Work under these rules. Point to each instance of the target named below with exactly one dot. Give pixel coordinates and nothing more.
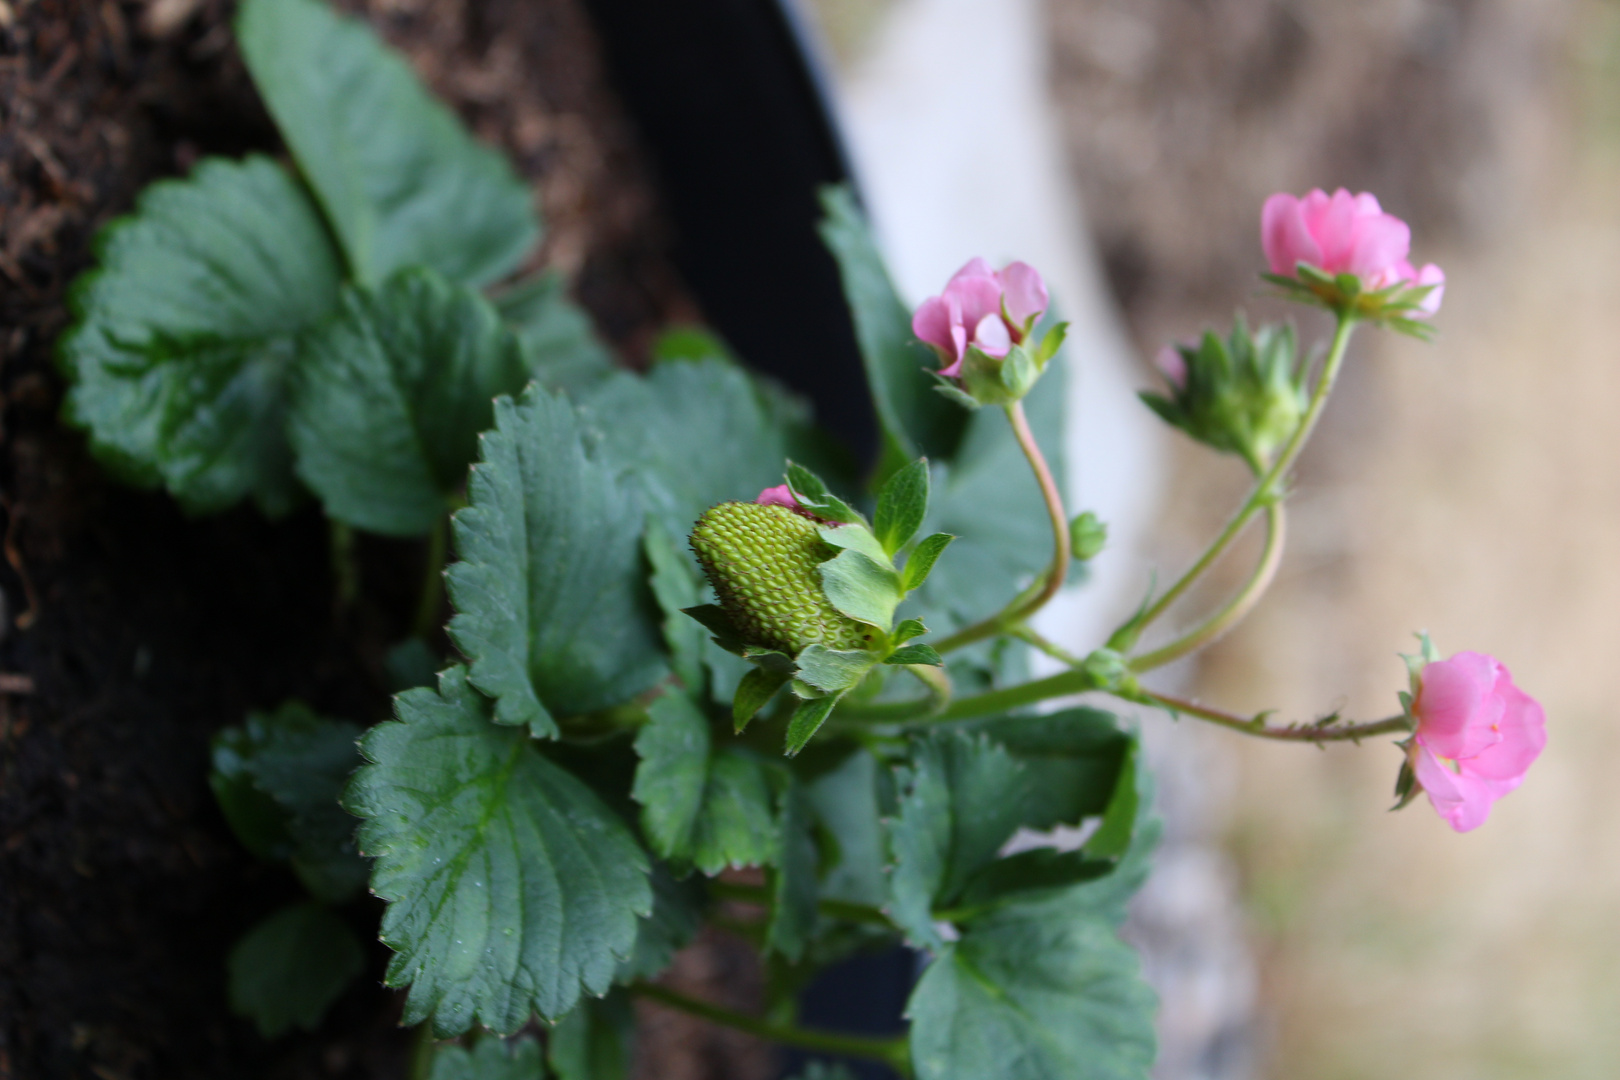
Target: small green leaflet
(915, 420)
(901, 506)
(182, 338)
(511, 888)
(704, 805)
(289, 969)
(922, 559)
(553, 607)
(919, 653)
(560, 346)
(960, 800)
(278, 778)
(861, 588)
(754, 690)
(489, 1059)
(1036, 992)
(690, 435)
(833, 670)
(807, 720)
(400, 179)
(389, 398)
(594, 1042)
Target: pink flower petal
(1456, 708)
(1464, 801)
(1524, 735)
(932, 325)
(978, 297)
(991, 336)
(1431, 275)
(1377, 242)
(1023, 294)
(975, 267)
(1172, 365)
(1284, 237)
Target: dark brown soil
(130, 634)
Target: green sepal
(920, 563)
(908, 629)
(814, 496)
(769, 659)
(918, 653)
(1050, 344)
(953, 393)
(855, 537)
(754, 691)
(861, 588)
(1407, 787)
(718, 623)
(833, 670)
(998, 381)
(807, 720)
(901, 507)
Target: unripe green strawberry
(762, 563)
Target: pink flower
(1344, 234)
(1477, 734)
(990, 310)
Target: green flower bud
(763, 563)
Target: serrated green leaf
(594, 1042)
(990, 501)
(183, 335)
(793, 879)
(1028, 875)
(287, 970)
(701, 804)
(915, 421)
(813, 495)
(961, 798)
(560, 346)
(807, 720)
(692, 435)
(861, 588)
(1072, 762)
(1038, 992)
(832, 670)
(278, 778)
(388, 400)
(908, 629)
(552, 604)
(675, 587)
(489, 1059)
(901, 507)
(677, 915)
(401, 180)
(915, 654)
(922, 559)
(511, 888)
(849, 802)
(754, 690)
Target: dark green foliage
(389, 398)
(184, 335)
(594, 1042)
(289, 969)
(553, 608)
(401, 181)
(489, 1059)
(512, 889)
(279, 778)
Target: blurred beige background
(1470, 488)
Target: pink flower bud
(1172, 365)
(1477, 735)
(987, 309)
(780, 495)
(1343, 234)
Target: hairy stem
(1236, 608)
(1266, 492)
(892, 1052)
(1322, 732)
(1052, 579)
